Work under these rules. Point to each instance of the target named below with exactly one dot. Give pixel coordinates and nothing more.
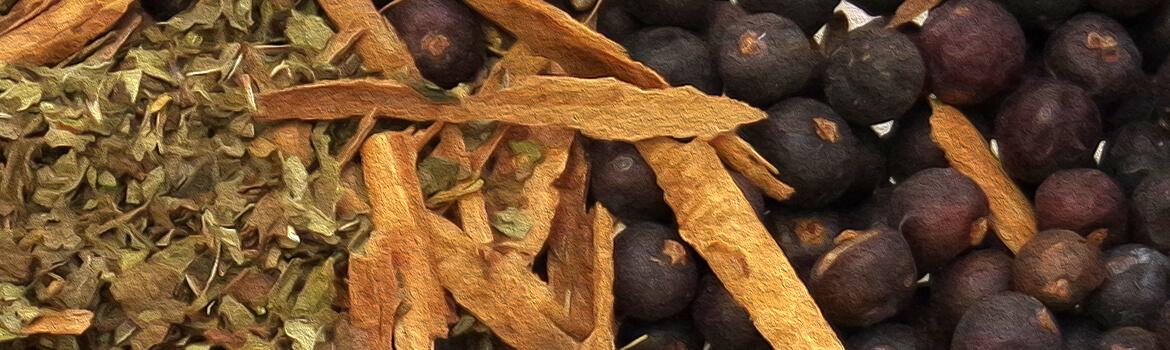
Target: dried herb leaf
(153, 63)
(715, 218)
(438, 173)
(599, 108)
(61, 138)
(512, 223)
(236, 316)
(318, 291)
(308, 31)
(970, 154)
(60, 178)
(21, 96)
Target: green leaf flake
(439, 174)
(6, 335)
(22, 96)
(106, 179)
(318, 292)
(10, 126)
(236, 316)
(295, 177)
(305, 333)
(153, 63)
(132, 80)
(60, 138)
(205, 12)
(308, 31)
(147, 140)
(228, 236)
(154, 182)
(510, 222)
(255, 343)
(15, 311)
(133, 193)
(60, 178)
(300, 202)
(476, 132)
(238, 13)
(527, 148)
(528, 155)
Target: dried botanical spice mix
(584, 174)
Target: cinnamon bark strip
(541, 197)
(911, 9)
(715, 218)
(601, 280)
(67, 322)
(573, 249)
(373, 294)
(739, 155)
(551, 33)
(517, 63)
(600, 108)
(499, 289)
(1011, 213)
(23, 11)
(59, 30)
(380, 48)
(388, 161)
(472, 211)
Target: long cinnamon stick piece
(60, 30)
(599, 108)
(967, 151)
(379, 47)
(739, 155)
(388, 161)
(499, 289)
(550, 32)
(715, 218)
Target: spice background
(298, 174)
